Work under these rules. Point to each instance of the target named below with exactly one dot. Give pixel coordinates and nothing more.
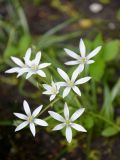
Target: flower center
(30, 119)
(34, 67)
(54, 90)
(70, 83)
(67, 122)
(83, 59)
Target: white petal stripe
(41, 73)
(68, 134)
(78, 127)
(37, 58)
(17, 61)
(74, 75)
(29, 75)
(66, 111)
(82, 48)
(26, 108)
(76, 90)
(94, 52)
(80, 68)
(52, 97)
(47, 87)
(37, 111)
(77, 114)
(21, 126)
(59, 127)
(13, 70)
(90, 61)
(40, 122)
(82, 80)
(71, 53)
(72, 62)
(66, 91)
(27, 56)
(21, 116)
(63, 74)
(43, 65)
(56, 116)
(32, 128)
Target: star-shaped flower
(68, 122)
(71, 83)
(30, 119)
(51, 90)
(30, 66)
(82, 59)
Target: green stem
(48, 106)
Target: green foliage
(111, 50)
(110, 131)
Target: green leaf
(116, 90)
(107, 109)
(110, 131)
(97, 70)
(24, 44)
(111, 50)
(88, 122)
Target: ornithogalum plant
(34, 67)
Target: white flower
(95, 7)
(30, 66)
(68, 122)
(71, 83)
(30, 119)
(52, 90)
(82, 59)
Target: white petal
(82, 48)
(43, 65)
(13, 70)
(82, 80)
(80, 68)
(90, 61)
(52, 97)
(21, 126)
(59, 127)
(40, 122)
(71, 53)
(74, 75)
(41, 73)
(94, 52)
(66, 111)
(47, 87)
(63, 74)
(61, 84)
(56, 116)
(71, 62)
(37, 58)
(27, 56)
(17, 61)
(68, 134)
(66, 91)
(26, 108)
(78, 127)
(22, 71)
(47, 92)
(21, 116)
(32, 128)
(76, 90)
(37, 111)
(29, 75)
(77, 114)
